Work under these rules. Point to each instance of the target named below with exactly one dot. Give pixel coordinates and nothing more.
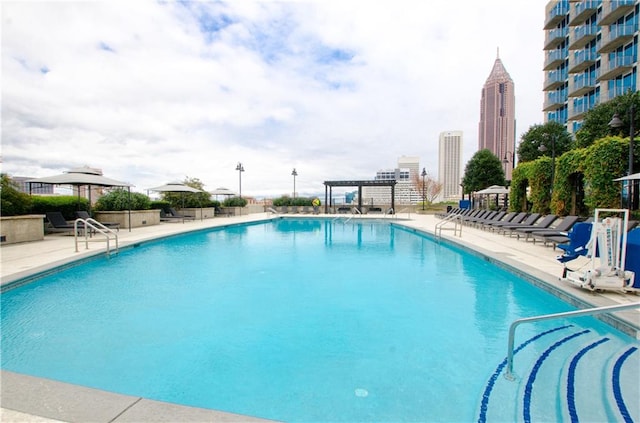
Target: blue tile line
(526, 413)
(482, 418)
(615, 380)
(571, 378)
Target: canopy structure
(634, 177)
(494, 189)
(328, 186)
(82, 176)
(497, 190)
(222, 191)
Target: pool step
(566, 374)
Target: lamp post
(616, 122)
(423, 174)
(240, 169)
(543, 148)
(294, 174)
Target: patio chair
(167, 217)
(578, 238)
(58, 223)
(82, 214)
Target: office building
(22, 185)
(498, 116)
(450, 164)
(590, 56)
(405, 174)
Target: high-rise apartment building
(450, 164)
(591, 56)
(497, 126)
(405, 191)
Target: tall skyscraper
(450, 164)
(591, 56)
(498, 116)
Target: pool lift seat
(607, 249)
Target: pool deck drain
(30, 399)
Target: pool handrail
(589, 311)
(89, 224)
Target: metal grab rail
(92, 224)
(590, 311)
(457, 229)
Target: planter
(139, 218)
(21, 228)
(198, 213)
(232, 211)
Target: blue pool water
(295, 320)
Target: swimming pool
(296, 320)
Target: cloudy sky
(156, 91)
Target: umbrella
(82, 176)
(176, 187)
(634, 177)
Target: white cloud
(152, 92)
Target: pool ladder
(91, 226)
(456, 219)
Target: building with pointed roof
(497, 127)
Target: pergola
(328, 186)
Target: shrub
(160, 205)
(120, 200)
(12, 201)
(234, 202)
(65, 204)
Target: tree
(432, 188)
(595, 124)
(483, 170)
(189, 199)
(537, 135)
(12, 201)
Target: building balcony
(612, 10)
(581, 60)
(582, 11)
(554, 58)
(554, 38)
(613, 92)
(554, 80)
(582, 35)
(555, 15)
(577, 111)
(616, 36)
(581, 85)
(611, 68)
(554, 100)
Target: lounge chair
(546, 235)
(168, 217)
(84, 215)
(58, 223)
(495, 216)
(174, 213)
(530, 220)
(506, 218)
(519, 230)
(518, 218)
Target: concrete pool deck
(29, 399)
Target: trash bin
(449, 208)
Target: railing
(91, 225)
(272, 210)
(591, 311)
(457, 229)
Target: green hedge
(289, 201)
(234, 202)
(12, 201)
(66, 204)
(120, 200)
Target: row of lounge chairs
(549, 229)
(57, 222)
